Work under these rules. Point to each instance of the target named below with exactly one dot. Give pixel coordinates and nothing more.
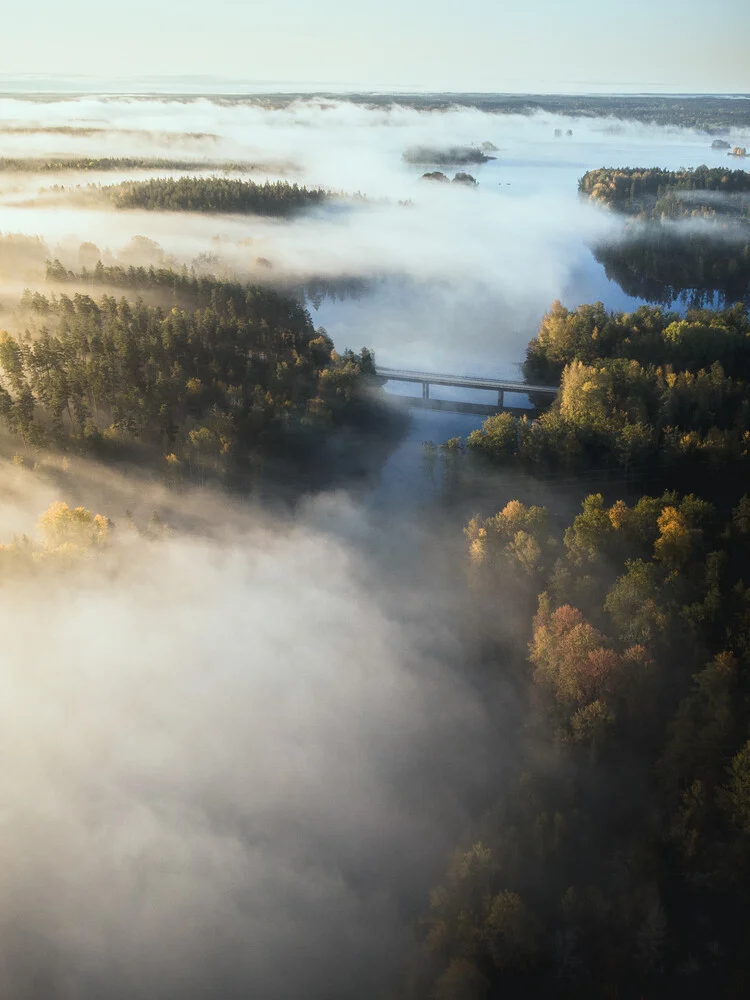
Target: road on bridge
(498, 385)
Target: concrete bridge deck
(498, 385)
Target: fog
(243, 739)
(464, 274)
(236, 753)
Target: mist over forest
(316, 685)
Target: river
(459, 277)
(472, 326)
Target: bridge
(498, 385)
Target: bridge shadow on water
(458, 405)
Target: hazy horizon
(209, 85)
(540, 47)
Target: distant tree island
(451, 156)
(441, 178)
(215, 194)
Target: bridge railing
(501, 386)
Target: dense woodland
(188, 286)
(451, 156)
(691, 234)
(215, 194)
(649, 392)
(181, 284)
(657, 194)
(615, 859)
(231, 372)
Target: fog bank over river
(463, 274)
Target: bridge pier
(494, 385)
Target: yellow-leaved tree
(71, 530)
(518, 536)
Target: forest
(650, 393)
(613, 858)
(615, 861)
(214, 194)
(489, 740)
(660, 257)
(189, 286)
(657, 194)
(451, 156)
(701, 268)
(230, 372)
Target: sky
(537, 46)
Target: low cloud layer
(232, 759)
(483, 263)
(237, 754)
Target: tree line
(214, 194)
(188, 283)
(648, 392)
(231, 371)
(712, 113)
(38, 164)
(615, 859)
(656, 194)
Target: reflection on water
(408, 476)
(480, 322)
(464, 274)
(435, 277)
(431, 482)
